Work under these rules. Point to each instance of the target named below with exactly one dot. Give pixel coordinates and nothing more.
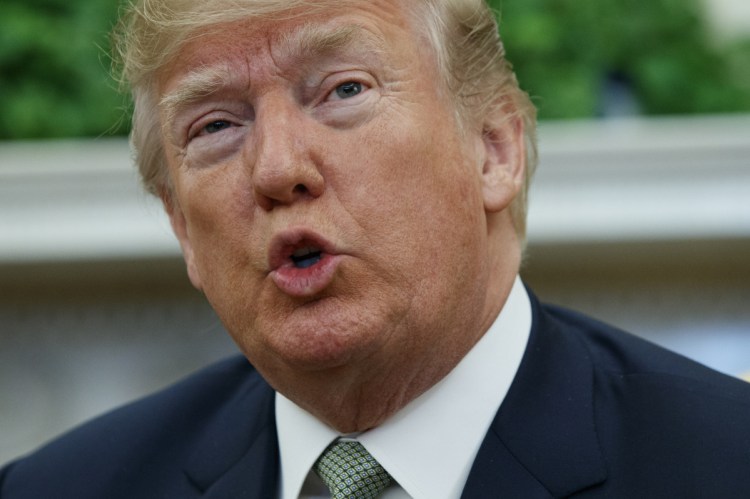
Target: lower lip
(306, 282)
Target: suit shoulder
(194, 397)
(669, 424)
(664, 401)
(159, 429)
(622, 354)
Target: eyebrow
(315, 40)
(198, 84)
(308, 42)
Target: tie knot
(350, 472)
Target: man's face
(325, 200)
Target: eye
(348, 89)
(216, 126)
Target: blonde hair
(463, 33)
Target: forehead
(296, 34)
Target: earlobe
(504, 163)
(180, 229)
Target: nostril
(269, 200)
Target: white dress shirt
(429, 446)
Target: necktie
(350, 472)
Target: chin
(328, 333)
(311, 346)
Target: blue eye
(348, 89)
(216, 126)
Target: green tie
(351, 472)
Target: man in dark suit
(347, 180)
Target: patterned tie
(351, 472)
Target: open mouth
(302, 263)
(306, 257)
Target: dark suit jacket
(593, 412)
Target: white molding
(598, 181)
(655, 180)
(728, 19)
(76, 201)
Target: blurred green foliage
(565, 51)
(54, 67)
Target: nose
(284, 169)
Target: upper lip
(285, 243)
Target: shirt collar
(428, 447)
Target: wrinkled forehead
(300, 30)
(204, 69)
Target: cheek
(215, 198)
(218, 212)
(419, 173)
(408, 187)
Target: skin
(415, 212)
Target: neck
(356, 399)
(362, 395)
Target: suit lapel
(254, 476)
(498, 473)
(543, 441)
(238, 456)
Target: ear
(179, 226)
(504, 165)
